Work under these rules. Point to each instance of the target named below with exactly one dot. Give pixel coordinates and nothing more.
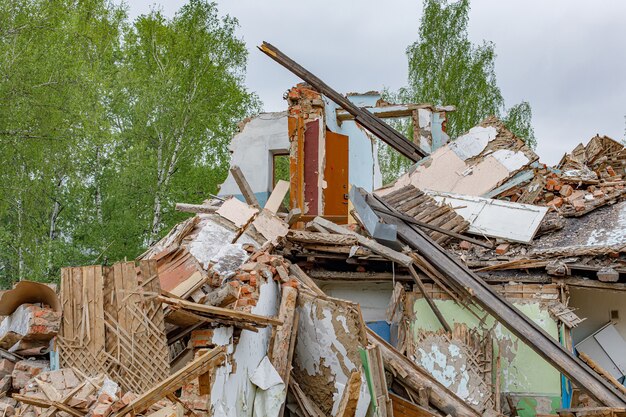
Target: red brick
(598, 194)
(502, 248)
(610, 171)
(579, 204)
(6, 367)
(25, 370)
(465, 245)
(557, 202)
(577, 194)
(201, 338)
(291, 283)
(566, 190)
(246, 301)
(101, 410)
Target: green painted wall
(523, 371)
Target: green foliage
(519, 121)
(445, 68)
(105, 123)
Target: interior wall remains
(595, 306)
(253, 150)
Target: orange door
(336, 176)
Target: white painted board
(495, 218)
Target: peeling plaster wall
(523, 372)
(363, 153)
(252, 151)
(232, 393)
(327, 351)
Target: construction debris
(480, 283)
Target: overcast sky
(566, 57)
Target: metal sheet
(495, 218)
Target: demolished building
(481, 282)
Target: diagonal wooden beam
(366, 119)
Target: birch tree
(446, 68)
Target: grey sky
(566, 57)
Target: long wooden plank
(376, 247)
(520, 325)
(201, 365)
(244, 186)
(372, 123)
(219, 312)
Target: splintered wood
(110, 326)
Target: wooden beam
(321, 238)
(196, 208)
(519, 324)
(600, 370)
(199, 366)
(455, 235)
(371, 244)
(244, 187)
(429, 300)
(219, 312)
(415, 378)
(370, 122)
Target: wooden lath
(110, 325)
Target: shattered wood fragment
(43, 403)
(244, 187)
(600, 370)
(350, 396)
(404, 408)
(372, 361)
(284, 333)
(376, 247)
(308, 407)
(321, 238)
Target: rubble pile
(454, 291)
